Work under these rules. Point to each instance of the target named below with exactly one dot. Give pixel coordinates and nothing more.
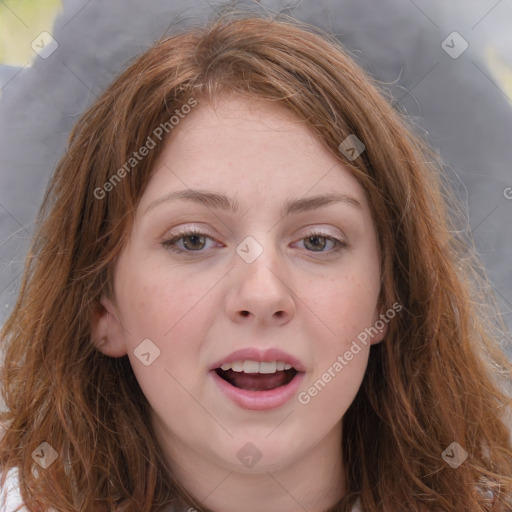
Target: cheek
(346, 305)
(174, 308)
(168, 307)
(161, 300)
(346, 309)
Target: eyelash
(168, 244)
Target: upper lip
(265, 355)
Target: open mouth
(257, 381)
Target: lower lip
(259, 400)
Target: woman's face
(288, 275)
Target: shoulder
(10, 499)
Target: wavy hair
(440, 375)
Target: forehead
(250, 148)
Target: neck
(312, 481)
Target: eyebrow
(218, 201)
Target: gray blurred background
(447, 64)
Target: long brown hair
(440, 376)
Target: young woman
(249, 292)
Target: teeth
(267, 367)
(238, 366)
(250, 366)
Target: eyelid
(205, 231)
(324, 232)
(188, 228)
(200, 230)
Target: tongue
(257, 381)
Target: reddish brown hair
(438, 377)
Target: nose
(261, 291)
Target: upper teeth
(256, 367)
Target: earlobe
(380, 335)
(107, 333)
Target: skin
(197, 310)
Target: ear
(380, 325)
(107, 332)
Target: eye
(193, 242)
(317, 242)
